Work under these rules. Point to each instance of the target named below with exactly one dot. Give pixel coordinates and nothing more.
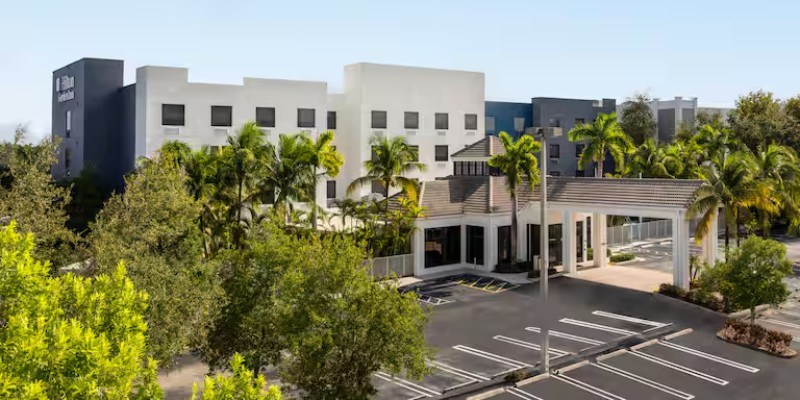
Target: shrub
(620, 257)
(756, 336)
(671, 290)
(515, 376)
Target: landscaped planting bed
(757, 337)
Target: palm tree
(603, 136)
(729, 185)
(290, 176)
(654, 161)
(322, 157)
(518, 162)
(393, 160)
(778, 179)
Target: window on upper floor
(68, 121)
(579, 121)
(306, 118)
(442, 154)
(490, 124)
(265, 117)
(471, 122)
(173, 114)
(555, 123)
(411, 120)
(519, 124)
(442, 121)
(555, 151)
(415, 151)
(67, 159)
(579, 149)
(331, 119)
(221, 116)
(377, 187)
(331, 189)
(378, 119)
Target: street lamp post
(544, 259)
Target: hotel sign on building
(65, 88)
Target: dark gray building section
(127, 158)
(566, 113)
(90, 91)
(666, 125)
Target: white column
(584, 239)
(463, 256)
(711, 242)
(680, 250)
(522, 238)
(490, 245)
(418, 248)
(568, 242)
(599, 240)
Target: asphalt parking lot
(481, 336)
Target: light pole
(544, 247)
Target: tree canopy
(637, 119)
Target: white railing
(627, 234)
(400, 265)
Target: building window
(215, 149)
(411, 120)
(555, 173)
(579, 149)
(68, 117)
(378, 119)
(504, 245)
(579, 121)
(67, 159)
(331, 119)
(377, 187)
(580, 173)
(265, 117)
(490, 124)
(221, 116)
(475, 245)
(555, 151)
(442, 246)
(306, 118)
(441, 153)
(442, 121)
(519, 124)
(173, 114)
(555, 123)
(331, 189)
(471, 121)
(414, 152)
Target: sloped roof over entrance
(485, 147)
(488, 194)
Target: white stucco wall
(397, 89)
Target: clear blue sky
(715, 50)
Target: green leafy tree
(637, 119)
(30, 196)
(152, 227)
(240, 385)
(69, 337)
(394, 160)
(778, 183)
(342, 326)
(753, 275)
(325, 163)
(518, 162)
(758, 120)
(602, 137)
(687, 130)
(655, 161)
(291, 176)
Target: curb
(734, 315)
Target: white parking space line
(568, 336)
(434, 301)
(647, 246)
(698, 353)
(522, 394)
(782, 323)
(653, 384)
(491, 356)
(587, 387)
(459, 372)
(680, 368)
(626, 318)
(388, 379)
(529, 345)
(409, 385)
(597, 326)
(666, 242)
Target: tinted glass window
(172, 114)
(265, 117)
(221, 115)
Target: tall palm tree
(290, 176)
(394, 159)
(325, 162)
(517, 163)
(601, 137)
(729, 185)
(778, 179)
(654, 161)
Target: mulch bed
(758, 338)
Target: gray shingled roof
(485, 147)
(470, 194)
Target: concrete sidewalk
(645, 280)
